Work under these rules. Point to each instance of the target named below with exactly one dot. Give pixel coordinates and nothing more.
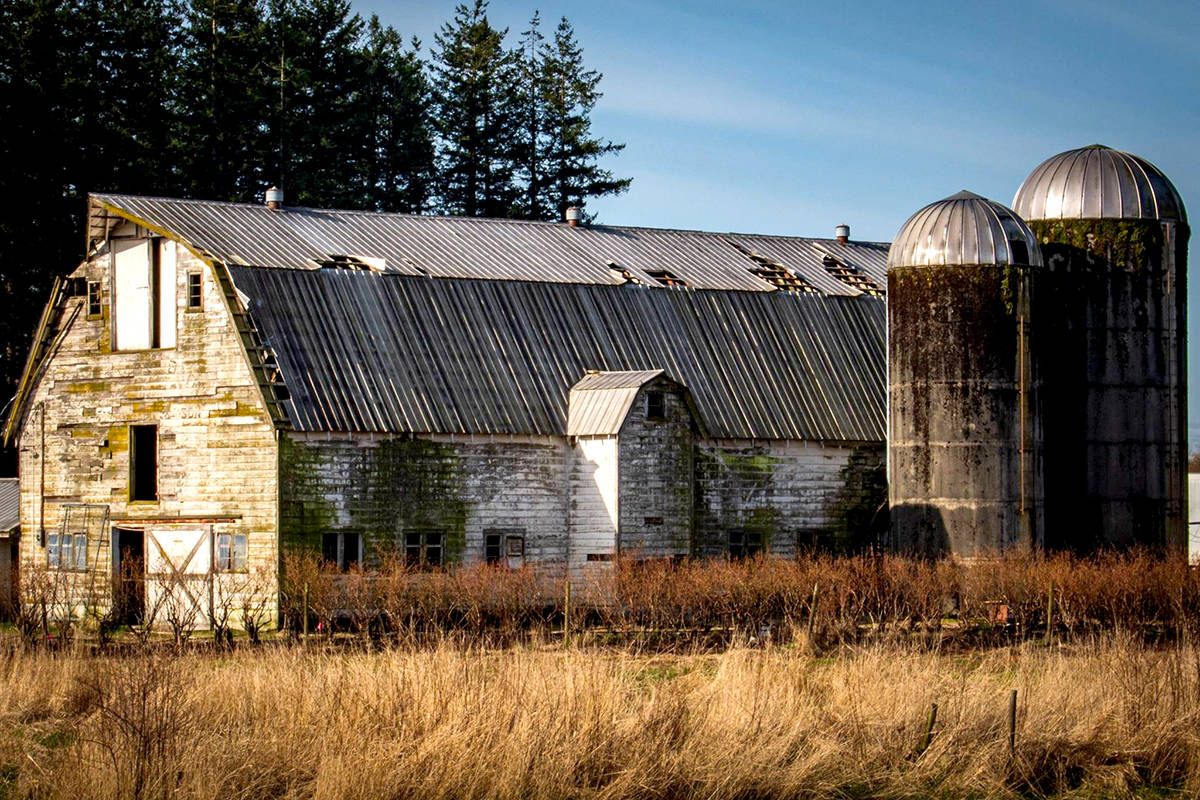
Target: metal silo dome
(964, 229)
(1097, 182)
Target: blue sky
(790, 118)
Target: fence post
(1012, 723)
(304, 613)
(927, 739)
(1050, 615)
(812, 613)
(567, 613)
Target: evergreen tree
(475, 99)
(133, 66)
(314, 125)
(571, 171)
(222, 145)
(531, 137)
(40, 210)
(396, 150)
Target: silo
(1111, 312)
(964, 441)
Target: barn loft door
(179, 577)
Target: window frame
(236, 556)
(508, 544)
(94, 300)
(739, 546)
(417, 554)
(340, 560)
(658, 414)
(72, 546)
(197, 277)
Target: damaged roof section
(493, 249)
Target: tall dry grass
(1104, 719)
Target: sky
(792, 117)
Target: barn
(218, 384)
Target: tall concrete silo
(964, 441)
(1110, 306)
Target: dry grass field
(1104, 717)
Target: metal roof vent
(274, 198)
(842, 233)
(574, 215)
(964, 229)
(1097, 182)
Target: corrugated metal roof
(493, 249)
(1097, 182)
(364, 351)
(599, 402)
(964, 229)
(10, 505)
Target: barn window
(143, 294)
(143, 463)
(231, 552)
(195, 299)
(93, 299)
(504, 546)
(424, 549)
(342, 550)
(744, 544)
(66, 551)
(656, 406)
(492, 548)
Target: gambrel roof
(392, 323)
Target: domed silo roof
(1097, 182)
(964, 229)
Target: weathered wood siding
(793, 493)
(461, 486)
(217, 448)
(656, 475)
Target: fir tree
(569, 92)
(531, 137)
(475, 99)
(313, 123)
(222, 146)
(396, 148)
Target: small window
(514, 546)
(343, 550)
(744, 544)
(231, 552)
(656, 406)
(143, 463)
(504, 546)
(67, 551)
(195, 298)
(492, 552)
(423, 549)
(93, 299)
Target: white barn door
(178, 577)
